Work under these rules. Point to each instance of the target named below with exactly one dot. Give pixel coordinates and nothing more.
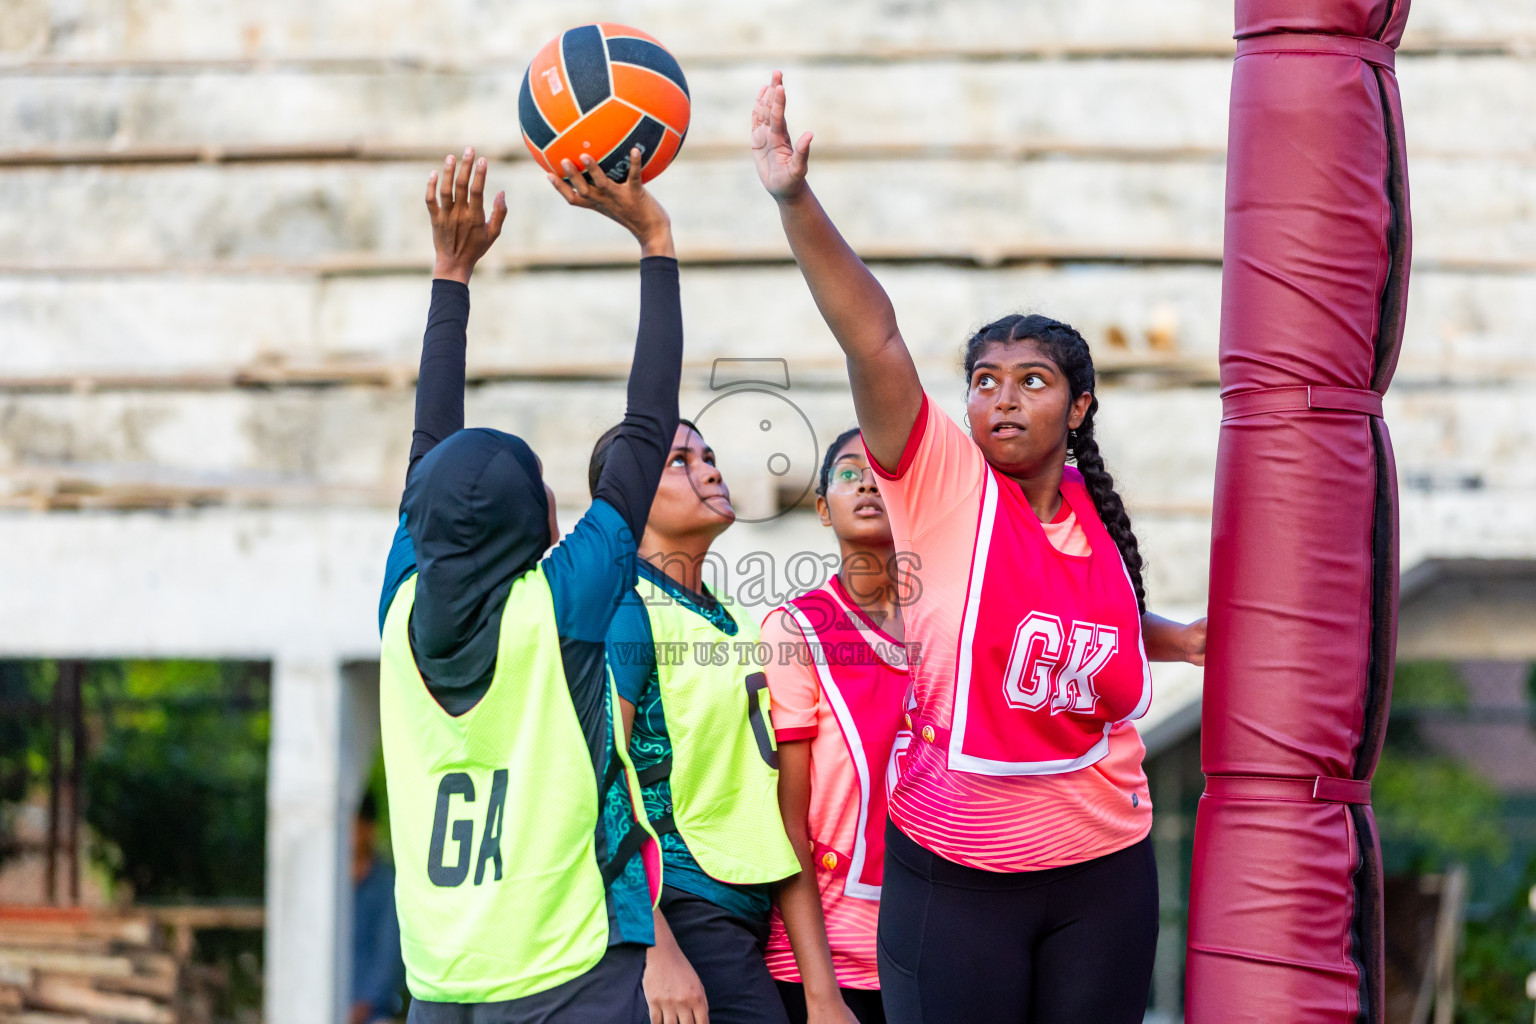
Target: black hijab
(478, 516)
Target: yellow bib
(493, 816)
(725, 775)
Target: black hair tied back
(1069, 350)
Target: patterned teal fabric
(632, 657)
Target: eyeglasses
(849, 478)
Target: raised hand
(456, 204)
(626, 202)
(781, 164)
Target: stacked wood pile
(81, 967)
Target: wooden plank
(160, 987)
(67, 963)
(348, 445)
(240, 582)
(72, 995)
(199, 917)
(30, 930)
(183, 29)
(1119, 106)
(209, 332)
(1135, 104)
(251, 216)
(279, 213)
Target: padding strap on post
(1324, 788)
(1298, 399)
(1371, 51)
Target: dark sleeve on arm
(631, 649)
(439, 411)
(440, 386)
(398, 568)
(640, 451)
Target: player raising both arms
(1019, 880)
(497, 713)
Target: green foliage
(1438, 808)
(25, 690)
(1428, 684)
(376, 786)
(176, 780)
(1498, 953)
(1432, 810)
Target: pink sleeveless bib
(1050, 653)
(866, 694)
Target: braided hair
(825, 479)
(1068, 349)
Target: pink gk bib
(1050, 652)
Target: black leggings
(726, 952)
(863, 1002)
(610, 993)
(1060, 946)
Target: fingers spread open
(776, 122)
(445, 186)
(432, 194)
(498, 215)
(577, 180)
(461, 179)
(564, 188)
(477, 189)
(601, 184)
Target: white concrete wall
(213, 271)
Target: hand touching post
(456, 204)
(628, 203)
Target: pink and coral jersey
(839, 681)
(1031, 667)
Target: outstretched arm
(461, 234)
(887, 395)
(640, 451)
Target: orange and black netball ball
(601, 90)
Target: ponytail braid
(1069, 350)
(1101, 488)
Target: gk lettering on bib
(1050, 648)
